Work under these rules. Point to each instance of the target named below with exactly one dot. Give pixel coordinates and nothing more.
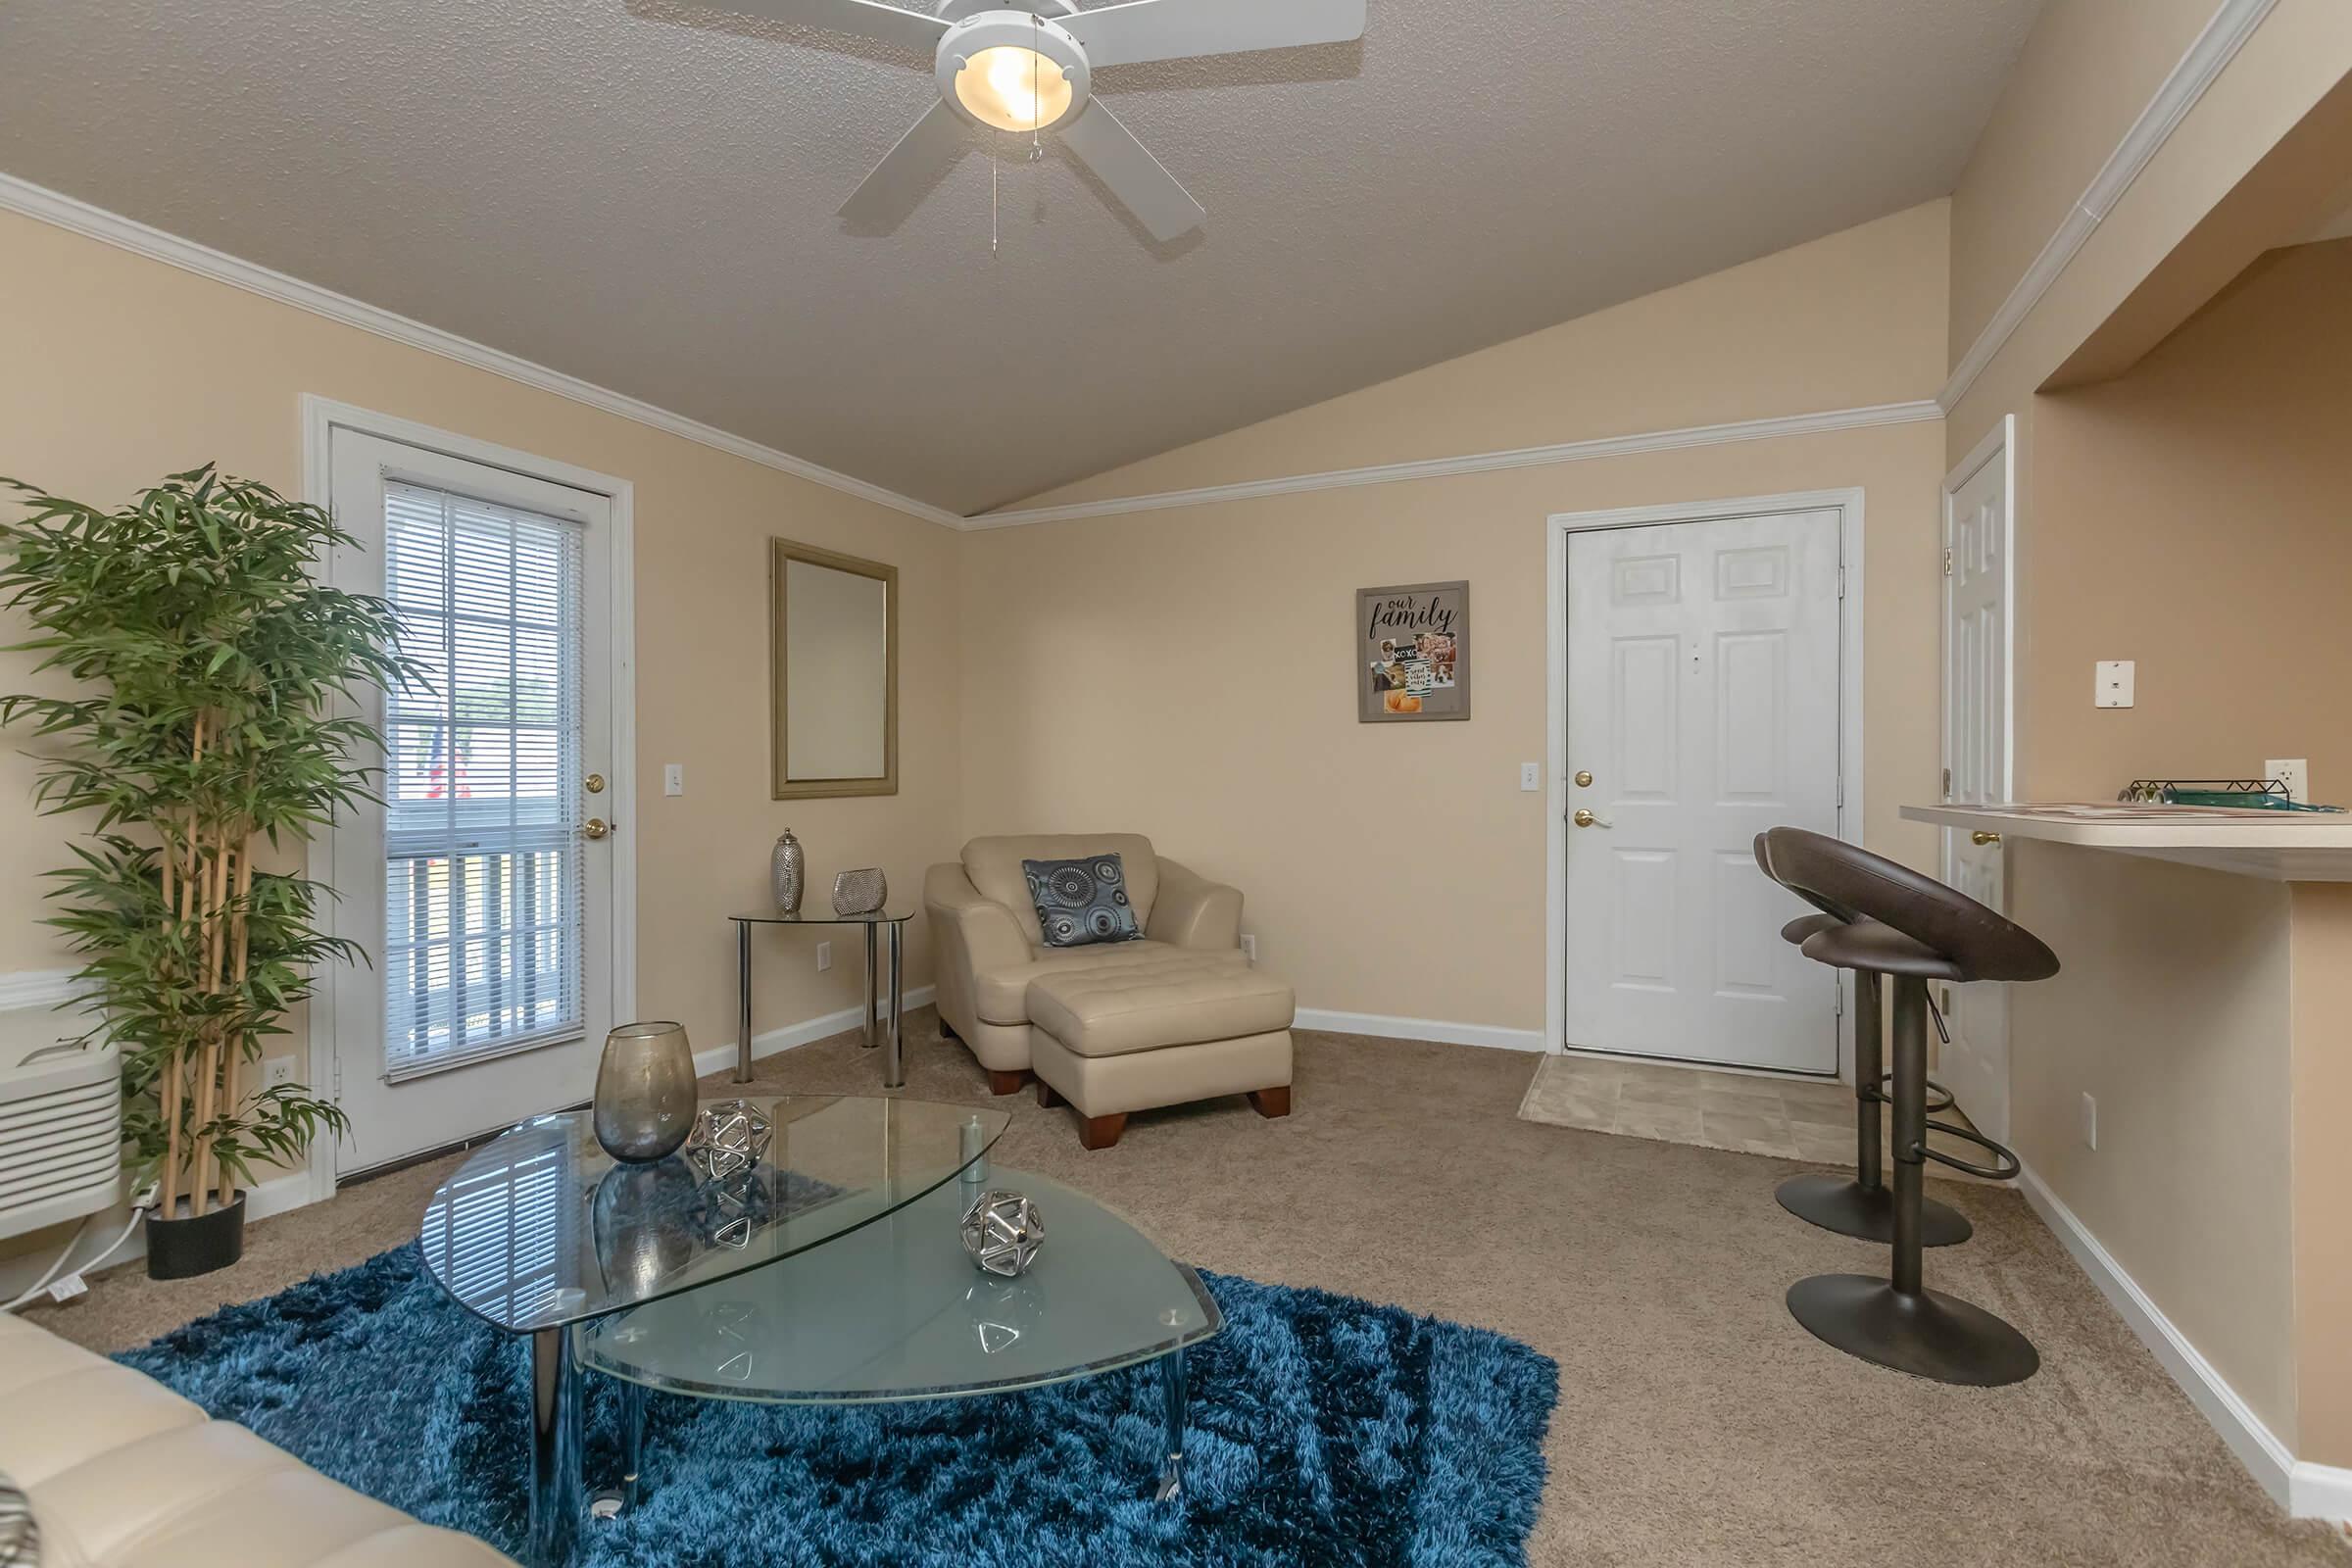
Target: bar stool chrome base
(1844, 1204)
(1930, 1334)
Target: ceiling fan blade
(1107, 147)
(866, 19)
(908, 171)
(1174, 29)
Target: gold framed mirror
(833, 674)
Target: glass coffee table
(541, 1230)
(898, 1311)
(829, 1272)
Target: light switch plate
(1531, 776)
(2295, 773)
(824, 957)
(673, 778)
(2112, 683)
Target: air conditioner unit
(61, 1121)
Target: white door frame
(2001, 441)
(1847, 504)
(1999, 444)
(321, 417)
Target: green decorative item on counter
(206, 662)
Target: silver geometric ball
(1002, 1232)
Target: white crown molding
(2302, 1488)
(96, 223)
(1613, 446)
(2213, 49)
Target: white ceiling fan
(1028, 66)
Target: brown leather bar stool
(1912, 929)
(1861, 1207)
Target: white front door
(1703, 701)
(481, 887)
(1976, 542)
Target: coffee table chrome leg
(554, 1447)
(1172, 1390)
(894, 1065)
(873, 983)
(632, 1443)
(743, 1002)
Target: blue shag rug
(1323, 1430)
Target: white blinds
(483, 898)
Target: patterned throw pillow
(1080, 903)
(20, 1537)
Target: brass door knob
(1583, 817)
(597, 827)
(1981, 837)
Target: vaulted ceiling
(641, 193)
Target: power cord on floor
(40, 1287)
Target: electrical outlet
(2090, 1122)
(1531, 776)
(2113, 682)
(673, 778)
(1250, 946)
(2295, 773)
(277, 1071)
(824, 957)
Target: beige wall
(2087, 69)
(2193, 519)
(2322, 1171)
(1186, 673)
(144, 370)
(1841, 323)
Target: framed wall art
(1412, 653)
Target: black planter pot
(182, 1247)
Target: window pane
(484, 896)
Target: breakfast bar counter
(2277, 845)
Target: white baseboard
(807, 1032)
(2304, 1489)
(1437, 1029)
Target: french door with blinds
(481, 885)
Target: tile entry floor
(1788, 1118)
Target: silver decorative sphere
(729, 1137)
(1001, 1233)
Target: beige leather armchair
(990, 945)
(122, 1473)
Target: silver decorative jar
(645, 1092)
(860, 892)
(788, 867)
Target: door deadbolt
(594, 784)
(1584, 780)
(597, 827)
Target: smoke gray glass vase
(645, 1092)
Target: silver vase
(645, 1092)
(788, 866)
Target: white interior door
(1977, 540)
(1704, 703)
(482, 885)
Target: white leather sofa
(1116, 1027)
(122, 1473)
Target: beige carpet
(1697, 1423)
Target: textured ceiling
(642, 194)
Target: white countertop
(2280, 846)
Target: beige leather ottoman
(1116, 1041)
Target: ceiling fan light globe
(1012, 88)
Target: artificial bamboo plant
(207, 659)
